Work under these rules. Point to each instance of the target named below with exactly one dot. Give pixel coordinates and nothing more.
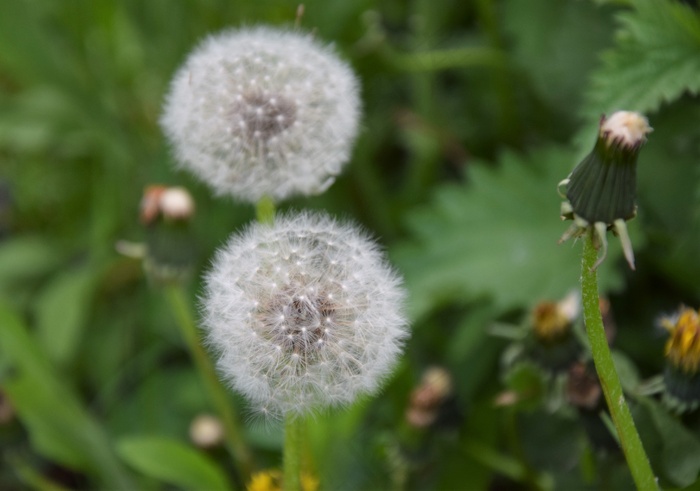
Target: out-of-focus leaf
(557, 44)
(628, 373)
(58, 425)
(679, 447)
(173, 462)
(26, 257)
(656, 59)
(61, 312)
(496, 237)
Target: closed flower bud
(554, 345)
(263, 112)
(305, 313)
(601, 190)
(428, 397)
(170, 249)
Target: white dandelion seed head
(305, 314)
(263, 111)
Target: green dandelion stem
(292, 453)
(637, 459)
(444, 59)
(265, 210)
(217, 393)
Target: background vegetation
(473, 112)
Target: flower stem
(217, 393)
(637, 459)
(292, 453)
(265, 210)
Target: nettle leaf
(497, 237)
(656, 59)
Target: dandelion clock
(263, 112)
(305, 313)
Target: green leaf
(656, 59)
(59, 427)
(557, 43)
(627, 371)
(496, 237)
(679, 447)
(172, 462)
(61, 312)
(26, 257)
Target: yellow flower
(683, 346)
(271, 480)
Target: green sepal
(171, 251)
(682, 392)
(603, 187)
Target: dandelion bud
(305, 313)
(170, 249)
(682, 373)
(428, 397)
(263, 112)
(583, 388)
(554, 345)
(601, 190)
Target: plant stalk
(637, 459)
(217, 393)
(292, 453)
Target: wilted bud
(428, 397)
(601, 190)
(582, 387)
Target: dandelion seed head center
(262, 116)
(302, 325)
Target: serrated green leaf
(173, 462)
(61, 312)
(496, 237)
(656, 59)
(59, 427)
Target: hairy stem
(292, 453)
(217, 393)
(637, 459)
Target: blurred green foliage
(473, 112)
